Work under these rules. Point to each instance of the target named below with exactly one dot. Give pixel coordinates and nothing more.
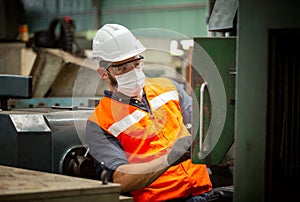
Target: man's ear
(102, 72)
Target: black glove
(180, 151)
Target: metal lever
(74, 157)
(201, 117)
(104, 174)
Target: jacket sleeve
(185, 103)
(104, 148)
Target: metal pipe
(201, 116)
(155, 8)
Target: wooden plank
(76, 81)
(18, 184)
(10, 57)
(28, 57)
(44, 71)
(56, 70)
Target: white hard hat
(115, 43)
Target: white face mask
(131, 83)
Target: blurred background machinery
(44, 139)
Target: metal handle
(201, 116)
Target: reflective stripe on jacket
(147, 136)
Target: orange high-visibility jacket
(146, 136)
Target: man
(137, 132)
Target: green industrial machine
(214, 100)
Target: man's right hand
(180, 151)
